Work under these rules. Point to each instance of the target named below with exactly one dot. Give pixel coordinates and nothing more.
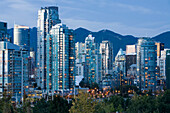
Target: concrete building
(130, 59)
(47, 17)
(22, 36)
(106, 50)
(130, 49)
(146, 64)
(160, 47)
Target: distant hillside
(164, 38)
(118, 41)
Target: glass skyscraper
(4, 36)
(22, 36)
(88, 61)
(60, 58)
(106, 50)
(13, 70)
(47, 17)
(146, 64)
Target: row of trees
(137, 104)
(84, 103)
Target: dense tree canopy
(85, 103)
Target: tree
(142, 104)
(115, 103)
(41, 106)
(83, 104)
(6, 105)
(57, 105)
(164, 102)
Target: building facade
(60, 59)
(120, 62)
(93, 61)
(146, 64)
(4, 36)
(13, 70)
(88, 60)
(168, 69)
(80, 58)
(106, 50)
(47, 17)
(22, 36)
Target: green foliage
(116, 100)
(100, 108)
(142, 104)
(57, 105)
(109, 108)
(84, 84)
(83, 104)
(164, 102)
(6, 105)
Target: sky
(127, 17)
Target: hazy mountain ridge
(118, 40)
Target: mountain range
(118, 40)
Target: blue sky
(127, 17)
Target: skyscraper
(168, 69)
(88, 60)
(47, 17)
(106, 50)
(146, 64)
(60, 59)
(22, 36)
(4, 36)
(13, 70)
(80, 58)
(120, 62)
(130, 56)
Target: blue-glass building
(4, 36)
(60, 59)
(47, 17)
(13, 70)
(146, 64)
(88, 62)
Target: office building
(106, 50)
(22, 36)
(60, 59)
(47, 17)
(146, 64)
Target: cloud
(134, 8)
